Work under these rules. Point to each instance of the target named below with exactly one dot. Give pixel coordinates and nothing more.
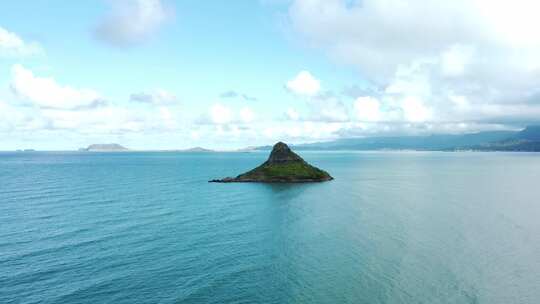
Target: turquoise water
(148, 228)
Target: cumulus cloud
(247, 115)
(323, 106)
(159, 97)
(353, 91)
(455, 60)
(249, 98)
(103, 120)
(368, 109)
(235, 94)
(304, 84)
(13, 119)
(45, 104)
(11, 45)
(229, 94)
(292, 114)
(379, 35)
(225, 117)
(46, 92)
(111, 119)
(306, 131)
(333, 110)
(433, 62)
(220, 114)
(132, 21)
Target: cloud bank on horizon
(458, 61)
(363, 68)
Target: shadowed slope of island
(283, 166)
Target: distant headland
(282, 166)
(25, 150)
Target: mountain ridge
(527, 139)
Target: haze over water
(418, 227)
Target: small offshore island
(104, 148)
(282, 166)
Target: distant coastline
(526, 140)
(114, 147)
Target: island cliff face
(283, 166)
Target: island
(283, 166)
(104, 148)
(197, 150)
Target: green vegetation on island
(283, 166)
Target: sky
(163, 74)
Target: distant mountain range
(526, 140)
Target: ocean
(393, 227)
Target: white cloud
(220, 114)
(12, 45)
(112, 119)
(247, 115)
(292, 114)
(332, 111)
(168, 118)
(96, 121)
(454, 61)
(322, 106)
(301, 131)
(226, 118)
(304, 84)
(132, 21)
(414, 110)
(15, 119)
(379, 35)
(46, 92)
(326, 107)
(368, 109)
(235, 94)
(424, 54)
(229, 94)
(56, 107)
(159, 97)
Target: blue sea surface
(393, 227)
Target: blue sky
(154, 74)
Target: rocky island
(283, 166)
(104, 148)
